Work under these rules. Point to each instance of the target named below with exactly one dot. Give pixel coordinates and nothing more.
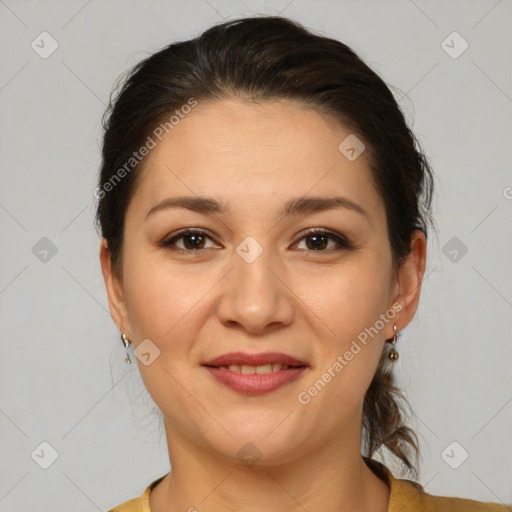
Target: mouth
(264, 362)
(255, 374)
(261, 369)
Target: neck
(326, 478)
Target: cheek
(350, 304)
(159, 297)
(164, 306)
(349, 298)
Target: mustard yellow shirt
(405, 496)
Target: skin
(310, 304)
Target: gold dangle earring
(393, 354)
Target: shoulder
(140, 504)
(409, 496)
(135, 505)
(442, 503)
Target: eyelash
(342, 241)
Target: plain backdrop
(63, 381)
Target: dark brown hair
(264, 58)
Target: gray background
(62, 376)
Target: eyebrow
(298, 206)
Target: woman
(264, 212)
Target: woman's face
(252, 281)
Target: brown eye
(318, 240)
(192, 240)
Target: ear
(409, 279)
(114, 290)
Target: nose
(255, 297)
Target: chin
(257, 447)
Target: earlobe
(113, 287)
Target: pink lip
(255, 384)
(241, 358)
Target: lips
(255, 374)
(255, 384)
(240, 359)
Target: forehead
(243, 151)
